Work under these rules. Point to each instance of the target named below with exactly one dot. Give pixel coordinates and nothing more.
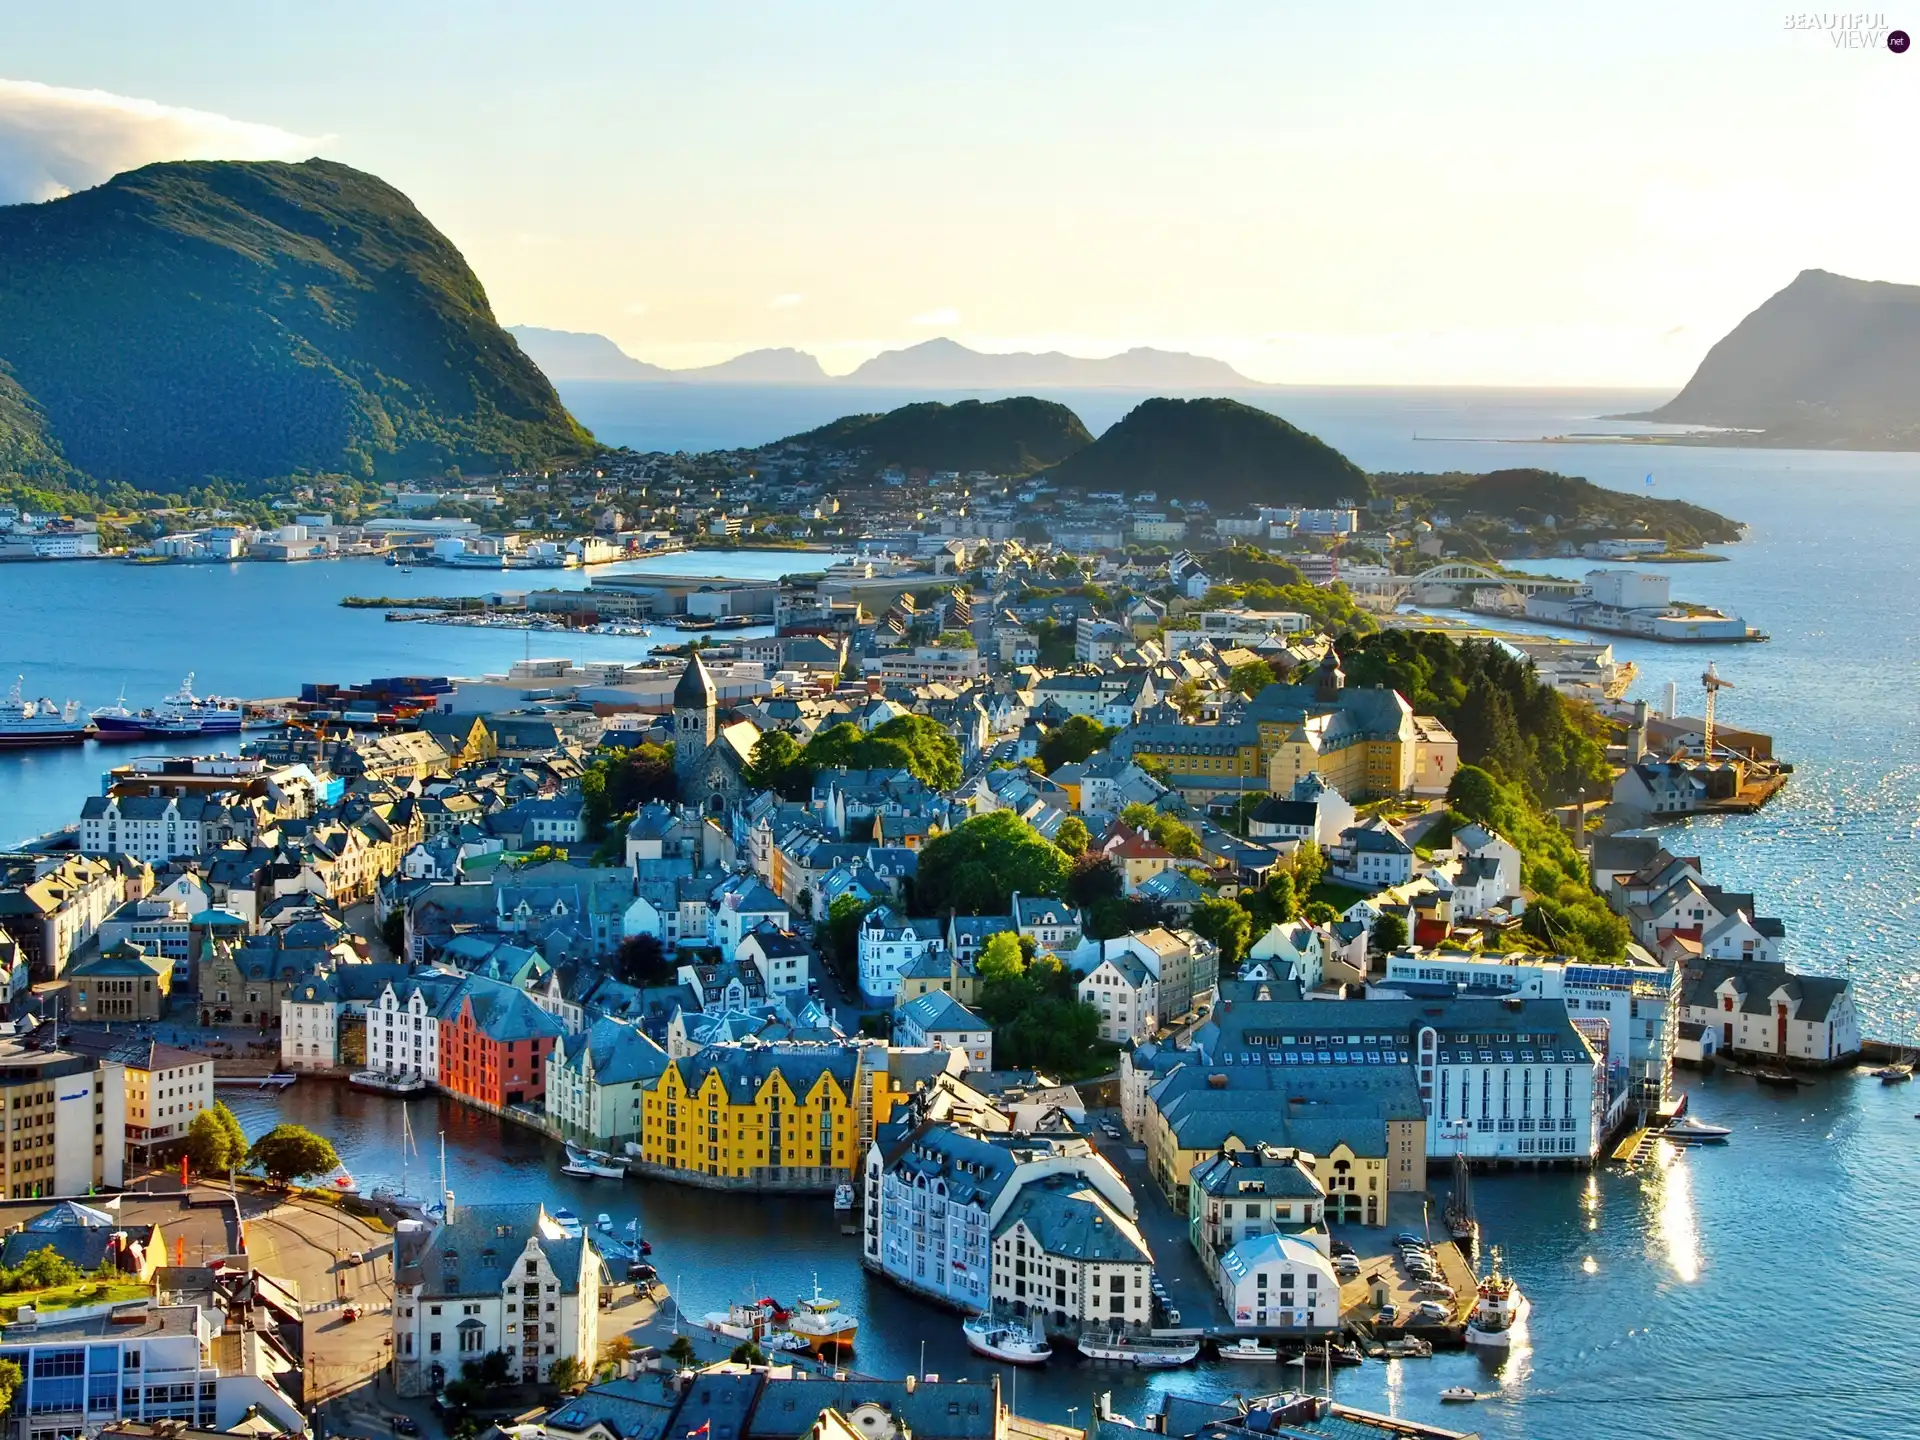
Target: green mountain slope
(1004, 437)
(1578, 506)
(1221, 451)
(1827, 361)
(242, 321)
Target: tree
(642, 960)
(1389, 934)
(915, 743)
(215, 1141)
(1072, 836)
(10, 1378)
(1072, 741)
(1309, 866)
(288, 1152)
(1174, 836)
(393, 930)
(1186, 697)
(1251, 678)
(1320, 913)
(1274, 903)
(1227, 925)
(778, 765)
(748, 1353)
(955, 640)
(567, 1374)
(976, 868)
(1001, 959)
(840, 941)
(681, 1351)
(618, 782)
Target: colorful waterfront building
(493, 1044)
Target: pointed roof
(696, 689)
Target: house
(1135, 855)
(403, 1028)
(890, 942)
(126, 982)
(496, 1277)
(1313, 810)
(1126, 994)
(1066, 1252)
(1371, 855)
(782, 959)
(938, 1021)
(1294, 948)
(1277, 1280)
(596, 1082)
(1657, 788)
(1051, 924)
(494, 1040)
(1241, 1195)
(1184, 966)
(1759, 1007)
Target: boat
(404, 1083)
(1407, 1347)
(603, 1222)
(1499, 1309)
(1898, 1073)
(1783, 1079)
(1459, 1217)
(180, 714)
(1459, 1395)
(1015, 1342)
(1248, 1348)
(406, 1204)
(744, 1320)
(1691, 1130)
(592, 1165)
(1147, 1353)
(843, 1196)
(339, 1181)
(822, 1323)
(568, 1224)
(1329, 1354)
(41, 722)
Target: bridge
(1463, 575)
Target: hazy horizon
(1383, 196)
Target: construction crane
(1714, 685)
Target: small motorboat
(1407, 1347)
(592, 1165)
(843, 1197)
(1459, 1395)
(1691, 1130)
(1896, 1074)
(567, 1223)
(1248, 1348)
(603, 1222)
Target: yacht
(592, 1165)
(822, 1323)
(568, 1224)
(41, 722)
(1014, 1342)
(1498, 1311)
(1248, 1348)
(1147, 1353)
(1688, 1130)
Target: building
(597, 1083)
(891, 942)
(1759, 1007)
(128, 983)
(161, 825)
(148, 1364)
(1279, 1281)
(492, 1277)
(162, 1089)
(51, 906)
(494, 1041)
(931, 665)
(65, 1121)
(1241, 1195)
(1066, 1249)
(403, 1028)
(1125, 992)
(937, 1021)
(1184, 967)
(310, 1025)
(782, 959)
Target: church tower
(695, 723)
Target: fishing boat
(1248, 1348)
(1499, 1309)
(41, 722)
(1459, 1216)
(181, 714)
(1782, 1079)
(404, 1083)
(1459, 1395)
(592, 1165)
(1143, 1351)
(745, 1320)
(843, 1197)
(1691, 1130)
(1015, 1342)
(822, 1323)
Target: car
(357, 1257)
(1388, 1314)
(1347, 1264)
(1434, 1310)
(1340, 1247)
(1407, 1237)
(350, 1314)
(405, 1425)
(1439, 1289)
(1173, 1317)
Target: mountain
(1577, 505)
(1826, 361)
(245, 321)
(947, 363)
(783, 366)
(1221, 451)
(580, 355)
(1003, 437)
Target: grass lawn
(66, 1297)
(1341, 897)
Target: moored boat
(745, 1320)
(843, 1196)
(1407, 1347)
(1691, 1130)
(403, 1083)
(1458, 1394)
(1015, 1342)
(1897, 1073)
(180, 714)
(1146, 1352)
(822, 1323)
(1499, 1309)
(1248, 1348)
(41, 722)
(592, 1165)
(567, 1223)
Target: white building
(1127, 995)
(492, 1277)
(310, 1025)
(159, 827)
(889, 942)
(403, 1029)
(1296, 947)
(1279, 1281)
(1065, 1250)
(1759, 1007)
(783, 959)
(937, 1021)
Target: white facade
(1297, 945)
(403, 1035)
(1127, 997)
(1281, 1282)
(889, 942)
(309, 1027)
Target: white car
(1433, 1310)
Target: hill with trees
(1004, 437)
(1577, 507)
(243, 321)
(1221, 451)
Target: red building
(493, 1044)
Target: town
(1005, 892)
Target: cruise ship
(41, 722)
(181, 714)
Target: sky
(1367, 193)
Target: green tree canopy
(1072, 741)
(1389, 934)
(778, 764)
(1072, 836)
(291, 1152)
(215, 1141)
(916, 743)
(1170, 834)
(976, 868)
(1228, 926)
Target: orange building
(493, 1044)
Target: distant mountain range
(1827, 362)
(221, 320)
(568, 355)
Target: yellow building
(937, 970)
(1364, 743)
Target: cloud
(938, 317)
(637, 307)
(54, 141)
(785, 302)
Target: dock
(1628, 1150)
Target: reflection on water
(1676, 1228)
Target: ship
(822, 1323)
(1014, 1342)
(404, 1083)
(180, 715)
(1498, 1312)
(41, 722)
(1147, 1352)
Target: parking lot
(1380, 1263)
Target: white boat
(1458, 1394)
(403, 1083)
(822, 1323)
(568, 1224)
(1015, 1342)
(603, 1222)
(1248, 1348)
(756, 1320)
(1147, 1353)
(1498, 1312)
(1688, 1130)
(41, 722)
(592, 1165)
(843, 1196)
